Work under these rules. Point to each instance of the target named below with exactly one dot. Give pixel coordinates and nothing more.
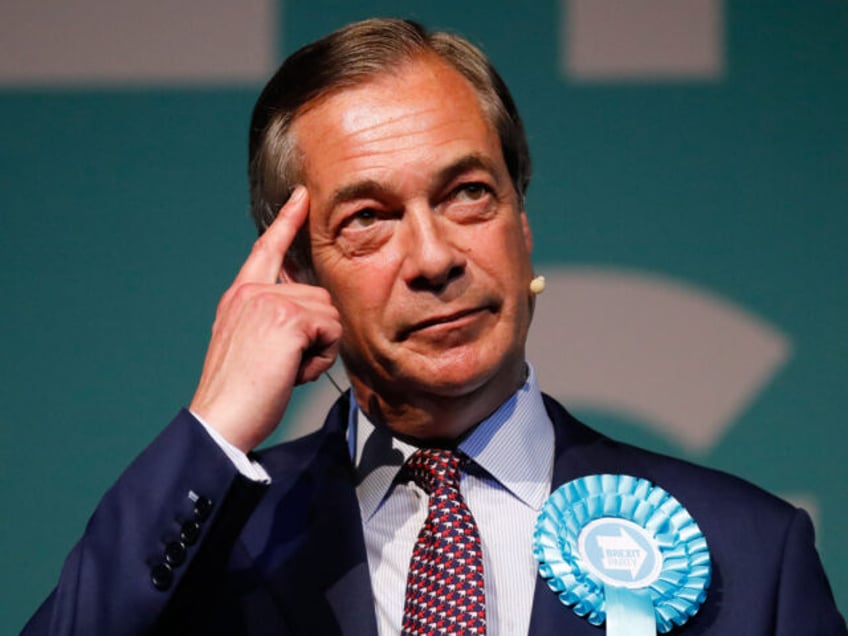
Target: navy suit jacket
(289, 557)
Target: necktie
(444, 587)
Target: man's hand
(270, 334)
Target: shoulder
(327, 444)
(713, 497)
(761, 547)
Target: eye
(363, 218)
(471, 191)
(365, 230)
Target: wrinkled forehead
(395, 75)
(420, 117)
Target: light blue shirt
(505, 486)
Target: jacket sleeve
(805, 601)
(175, 511)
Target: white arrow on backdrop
(684, 361)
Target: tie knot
(432, 468)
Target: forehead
(424, 107)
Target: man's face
(418, 235)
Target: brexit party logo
(620, 553)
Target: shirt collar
(515, 445)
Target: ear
(525, 231)
(290, 272)
(297, 263)
(295, 271)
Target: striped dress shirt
(504, 486)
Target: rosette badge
(619, 550)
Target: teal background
(124, 217)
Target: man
(388, 172)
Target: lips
(454, 318)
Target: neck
(436, 419)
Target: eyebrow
(464, 164)
(369, 188)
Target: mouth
(454, 320)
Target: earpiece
(537, 285)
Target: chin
(463, 375)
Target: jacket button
(162, 576)
(190, 532)
(175, 553)
(202, 508)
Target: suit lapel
(314, 554)
(578, 451)
(306, 535)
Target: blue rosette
(616, 548)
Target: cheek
(361, 294)
(369, 277)
(503, 251)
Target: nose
(432, 259)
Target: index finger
(265, 260)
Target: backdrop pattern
(689, 207)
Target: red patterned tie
(444, 587)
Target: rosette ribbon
(620, 550)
